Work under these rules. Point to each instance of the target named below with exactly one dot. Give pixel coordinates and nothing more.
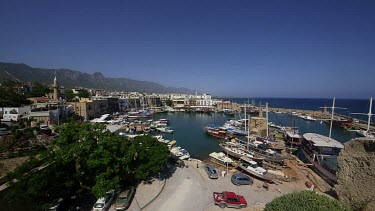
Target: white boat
(294, 114)
(165, 129)
(251, 167)
(309, 118)
(234, 150)
(367, 132)
(185, 154)
(221, 158)
(364, 133)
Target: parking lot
(189, 188)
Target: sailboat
(321, 152)
(367, 133)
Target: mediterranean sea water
(189, 134)
(351, 105)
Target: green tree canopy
(69, 94)
(305, 200)
(87, 157)
(11, 95)
(169, 102)
(84, 94)
(39, 90)
(103, 161)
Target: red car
(229, 199)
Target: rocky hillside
(356, 174)
(71, 78)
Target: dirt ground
(8, 165)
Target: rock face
(356, 174)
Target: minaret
(55, 89)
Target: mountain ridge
(73, 78)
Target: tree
(69, 94)
(103, 161)
(84, 94)
(39, 90)
(305, 200)
(169, 102)
(11, 95)
(87, 157)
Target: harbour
(188, 130)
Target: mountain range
(71, 79)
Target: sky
(302, 49)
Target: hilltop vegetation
(70, 79)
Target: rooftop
(322, 141)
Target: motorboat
(221, 158)
(251, 167)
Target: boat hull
(266, 178)
(324, 173)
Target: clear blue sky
(234, 48)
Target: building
(227, 105)
(14, 113)
(90, 109)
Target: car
(104, 203)
(229, 199)
(124, 199)
(4, 131)
(241, 179)
(211, 171)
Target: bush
(305, 200)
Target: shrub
(305, 200)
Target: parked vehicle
(4, 131)
(124, 199)
(229, 199)
(241, 179)
(211, 171)
(104, 203)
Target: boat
(251, 167)
(210, 127)
(165, 129)
(185, 154)
(221, 158)
(165, 121)
(292, 138)
(217, 133)
(228, 112)
(146, 129)
(234, 150)
(309, 118)
(367, 132)
(269, 155)
(321, 152)
(294, 113)
(364, 133)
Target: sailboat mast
(267, 118)
(245, 116)
(333, 110)
(369, 116)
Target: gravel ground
(189, 188)
(8, 165)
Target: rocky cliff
(356, 174)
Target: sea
(347, 106)
(188, 127)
